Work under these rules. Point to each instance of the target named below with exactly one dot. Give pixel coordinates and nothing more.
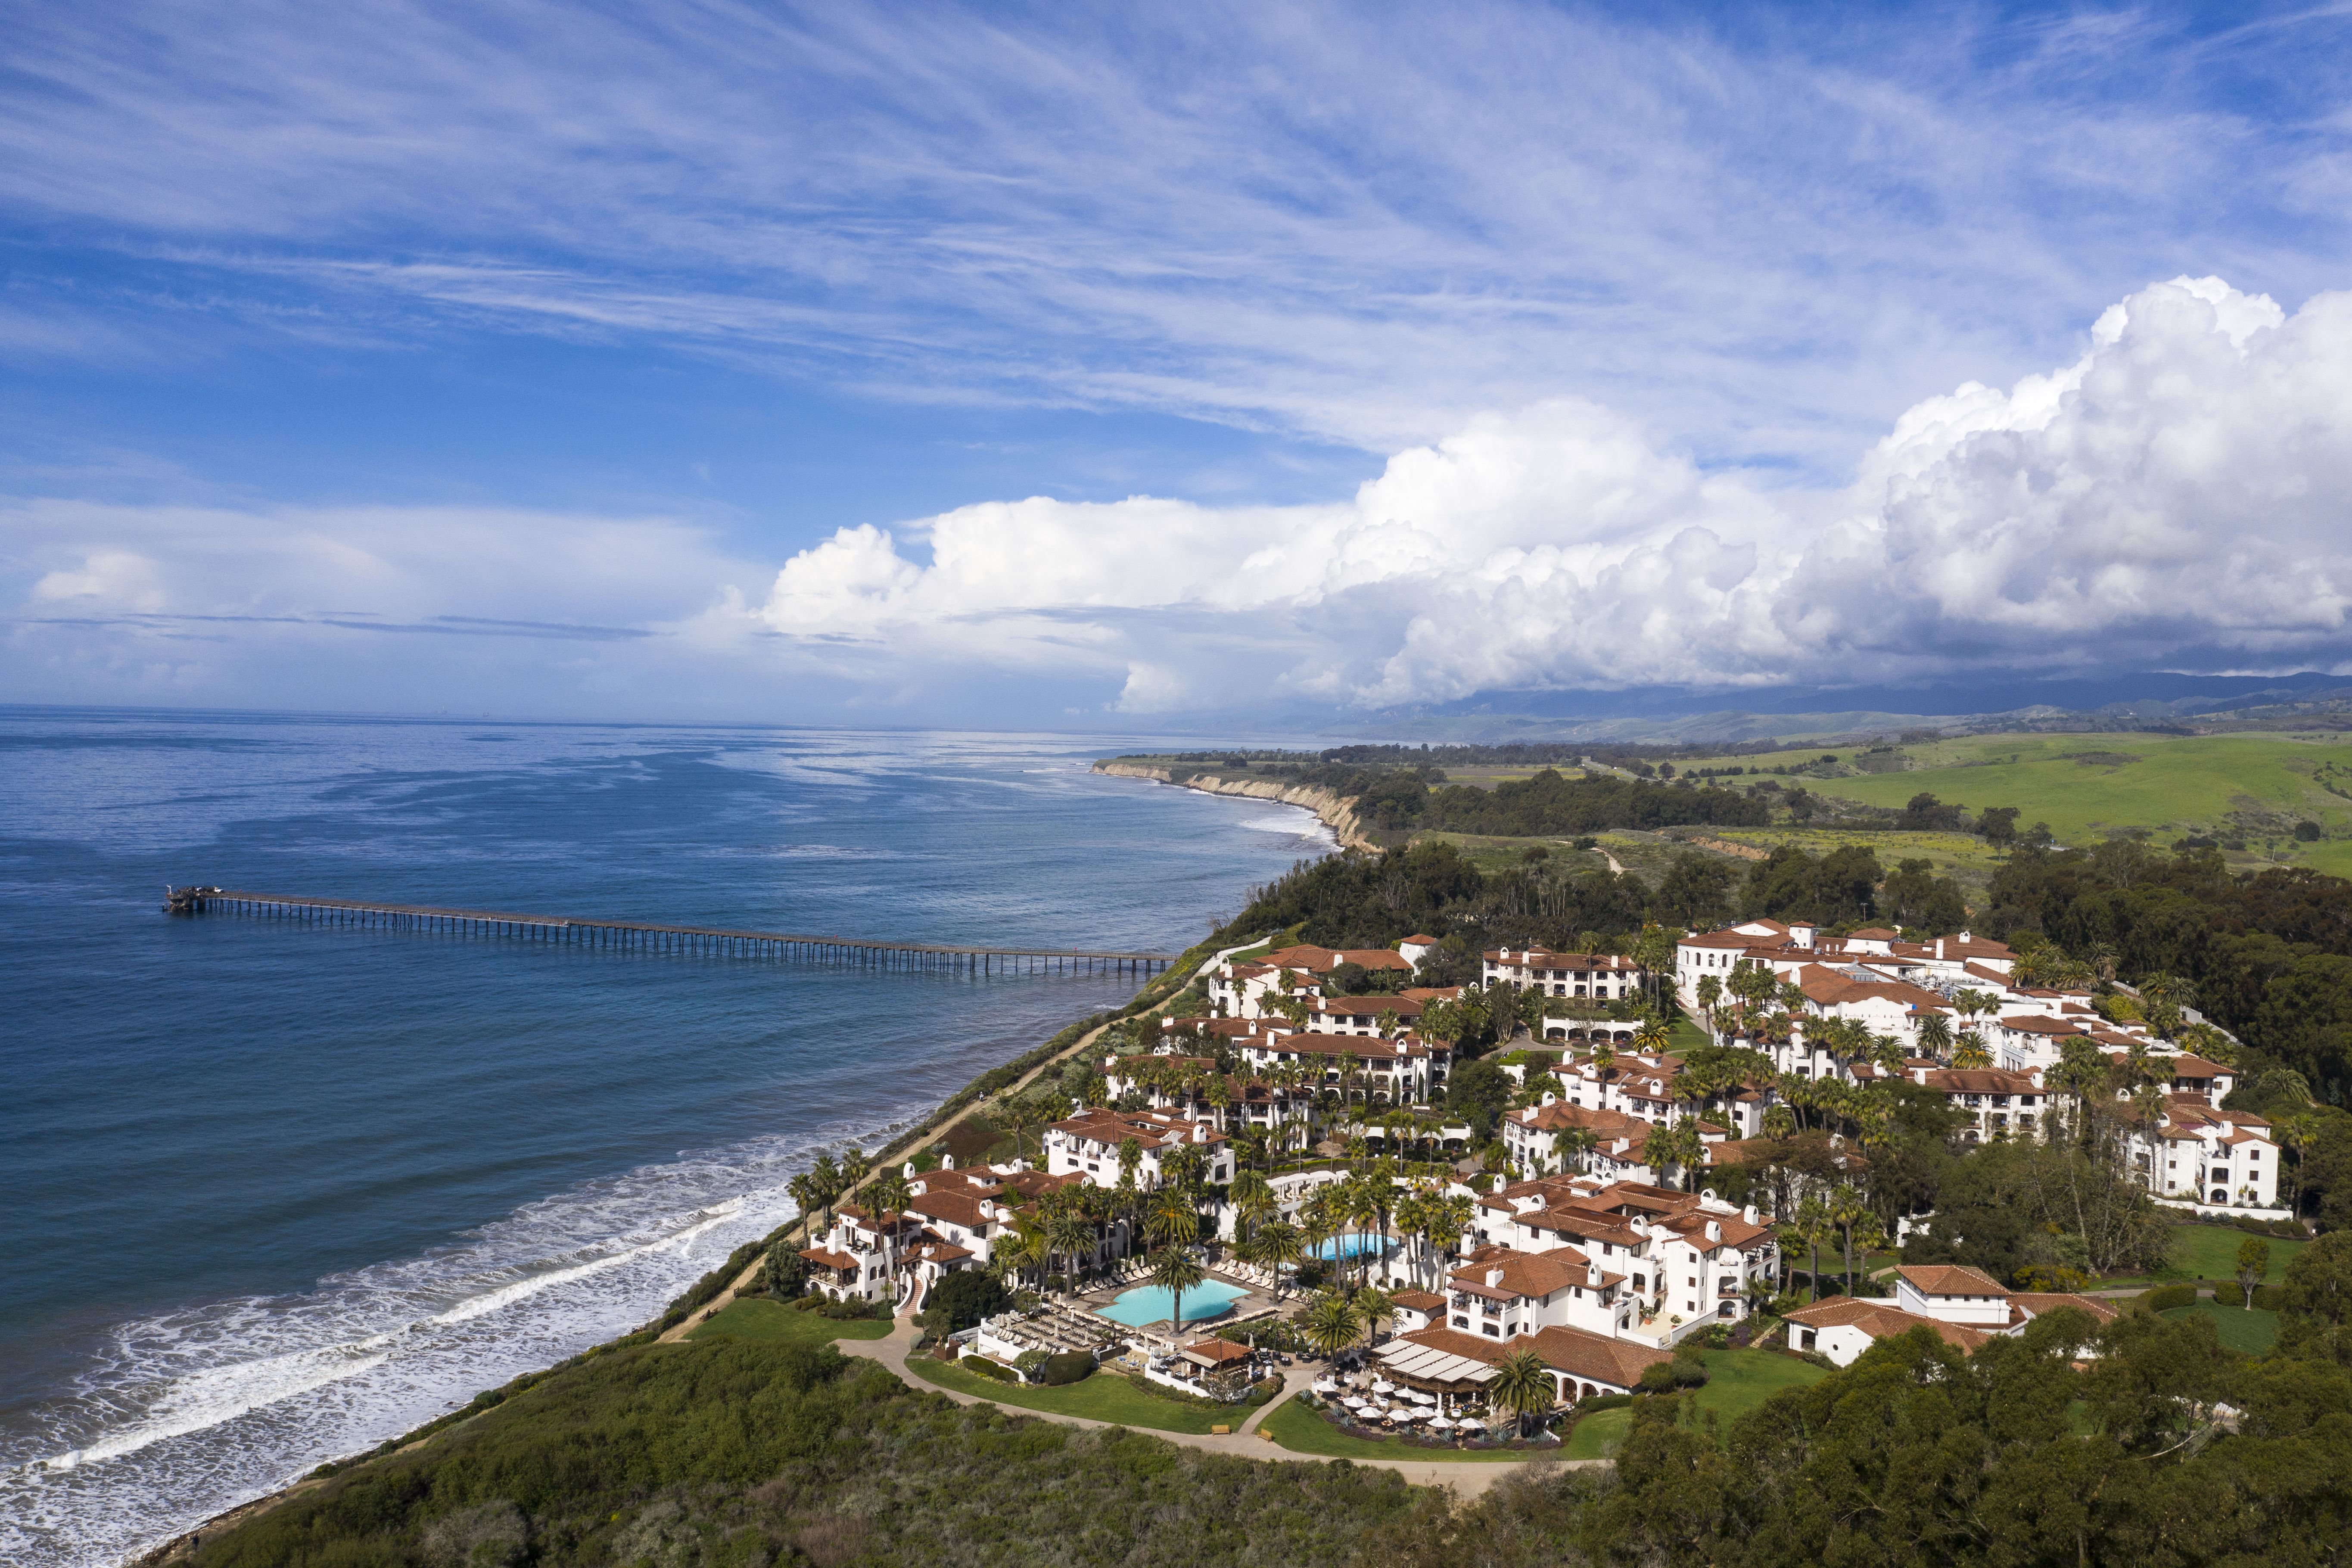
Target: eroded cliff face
(1337, 814)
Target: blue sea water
(274, 1192)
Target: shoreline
(921, 1134)
(1333, 811)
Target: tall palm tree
(854, 1166)
(890, 1197)
(1172, 1220)
(1523, 1386)
(1710, 997)
(1069, 1230)
(1813, 1226)
(1847, 1209)
(801, 1189)
(1780, 1122)
(1279, 1244)
(1969, 1051)
(1176, 1270)
(825, 1179)
(1252, 1199)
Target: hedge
(2167, 1297)
(987, 1368)
(1604, 1402)
(1069, 1366)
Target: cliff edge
(1336, 812)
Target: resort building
(1844, 1326)
(1686, 1258)
(2191, 1153)
(1596, 977)
(1087, 1145)
(1997, 1103)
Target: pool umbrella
(1442, 1423)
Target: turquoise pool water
(1149, 1303)
(1352, 1247)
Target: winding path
(1468, 1478)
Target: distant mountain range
(1671, 715)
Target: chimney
(1939, 949)
(1748, 1215)
(947, 1162)
(907, 1169)
(1550, 1097)
(1593, 1276)
(1499, 1183)
(1714, 1231)
(1494, 1278)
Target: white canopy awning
(1406, 1359)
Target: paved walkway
(1468, 1478)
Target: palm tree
(1679, 1147)
(1523, 1386)
(1846, 1210)
(1172, 1220)
(1935, 1034)
(1970, 1052)
(1069, 1230)
(1780, 1122)
(1176, 1270)
(1279, 1244)
(824, 1178)
(1330, 1324)
(1652, 1037)
(801, 1189)
(1710, 997)
(1252, 1199)
(890, 1197)
(854, 1168)
(1813, 1226)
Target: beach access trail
(1468, 1478)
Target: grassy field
(772, 1321)
(1737, 1383)
(1105, 1396)
(2086, 785)
(2254, 1332)
(1303, 1431)
(2210, 1252)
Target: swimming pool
(1354, 1246)
(1149, 1303)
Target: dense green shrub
(1604, 1402)
(993, 1370)
(1069, 1366)
(2165, 1297)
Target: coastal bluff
(1337, 813)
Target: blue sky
(1013, 365)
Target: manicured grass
(2254, 1332)
(763, 1318)
(1737, 1383)
(1304, 1431)
(1105, 1396)
(2210, 1252)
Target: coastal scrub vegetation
(2161, 1447)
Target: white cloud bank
(2177, 496)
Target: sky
(1177, 366)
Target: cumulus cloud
(2176, 492)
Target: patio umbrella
(1442, 1423)
(1404, 1413)
(1352, 1403)
(1382, 1386)
(1423, 1396)
(1471, 1424)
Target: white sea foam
(178, 1417)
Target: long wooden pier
(657, 937)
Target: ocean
(276, 1192)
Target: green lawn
(1105, 1396)
(2084, 785)
(1304, 1431)
(1737, 1383)
(2254, 1332)
(2210, 1252)
(762, 1318)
